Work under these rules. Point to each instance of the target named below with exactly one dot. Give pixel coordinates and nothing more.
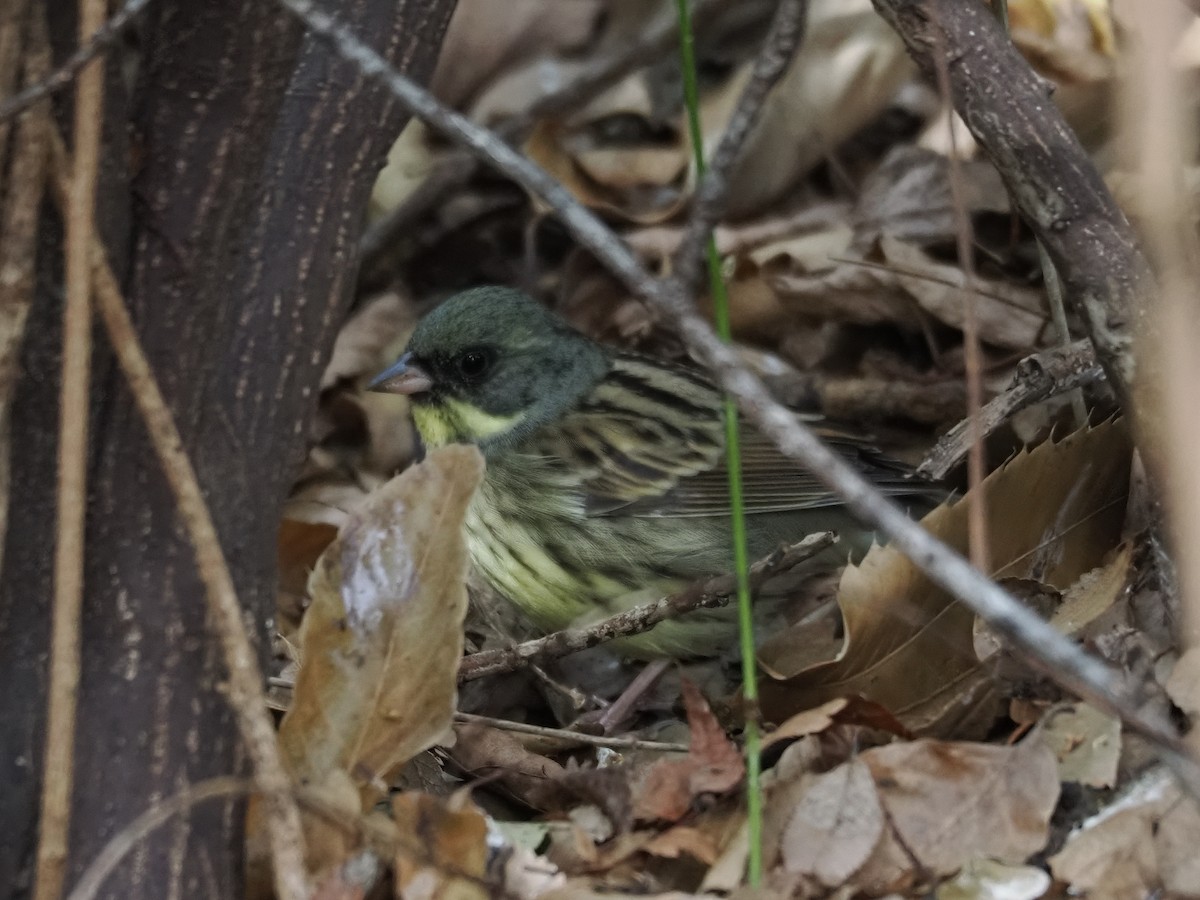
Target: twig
(58, 768)
(1066, 663)
(703, 594)
(570, 737)
(245, 686)
(712, 194)
(13, 44)
(92, 45)
(128, 838)
(457, 168)
(1037, 378)
(977, 520)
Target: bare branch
(96, 42)
(703, 594)
(1059, 657)
(708, 202)
(1037, 378)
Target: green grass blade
(741, 561)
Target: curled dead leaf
(1054, 513)
(381, 641)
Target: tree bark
(256, 149)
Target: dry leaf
(949, 803)
(1086, 741)
(381, 641)
(986, 879)
(713, 765)
(1054, 512)
(836, 825)
(1145, 841)
(1184, 684)
(446, 852)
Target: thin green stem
(733, 456)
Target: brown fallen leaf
(1144, 842)
(907, 811)
(714, 765)
(489, 753)
(1054, 513)
(446, 855)
(381, 641)
(949, 803)
(835, 826)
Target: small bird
(606, 484)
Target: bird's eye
(474, 364)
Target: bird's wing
(643, 429)
(650, 442)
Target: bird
(606, 484)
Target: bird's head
(489, 366)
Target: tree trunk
(255, 148)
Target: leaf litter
(916, 754)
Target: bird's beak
(405, 377)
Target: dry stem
(58, 769)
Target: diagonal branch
(1059, 657)
(98, 41)
(712, 194)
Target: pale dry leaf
(1090, 600)
(849, 68)
(1183, 685)
(1086, 742)
(986, 879)
(949, 803)
(1119, 852)
(485, 39)
(1006, 314)
(381, 641)
(1054, 512)
(834, 828)
(1112, 860)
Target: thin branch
(712, 194)
(128, 838)
(14, 27)
(58, 769)
(91, 45)
(459, 167)
(704, 594)
(245, 686)
(1063, 661)
(569, 738)
(1037, 378)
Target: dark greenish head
(490, 366)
